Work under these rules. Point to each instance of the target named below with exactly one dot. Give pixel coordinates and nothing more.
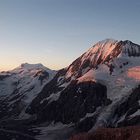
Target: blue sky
(55, 32)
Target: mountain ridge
(99, 89)
(19, 86)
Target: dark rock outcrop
(74, 102)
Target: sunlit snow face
(134, 73)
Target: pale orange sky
(56, 32)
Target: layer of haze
(55, 32)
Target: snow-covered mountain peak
(109, 48)
(27, 66)
(25, 82)
(107, 41)
(27, 69)
(130, 49)
(102, 52)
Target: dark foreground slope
(125, 133)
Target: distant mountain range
(101, 88)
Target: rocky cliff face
(75, 102)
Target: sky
(56, 32)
